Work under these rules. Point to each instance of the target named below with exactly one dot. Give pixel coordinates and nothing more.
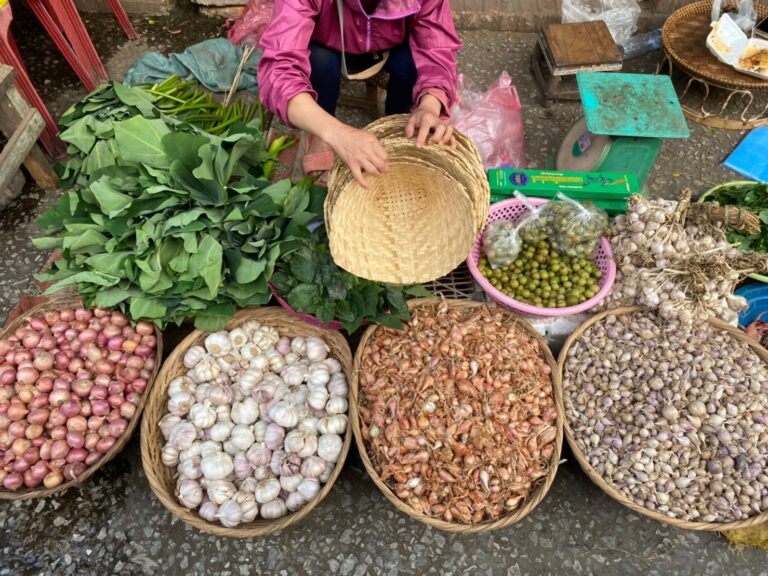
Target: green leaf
(244, 269)
(303, 268)
(140, 140)
(146, 308)
(100, 157)
(304, 298)
(80, 134)
(207, 263)
(48, 243)
(205, 192)
(185, 148)
(135, 97)
(214, 317)
(97, 278)
(111, 201)
(111, 297)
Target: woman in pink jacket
(301, 69)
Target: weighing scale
(626, 118)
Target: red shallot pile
(458, 413)
(70, 383)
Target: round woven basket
(529, 504)
(610, 490)
(416, 222)
(57, 303)
(162, 478)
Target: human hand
(361, 151)
(425, 123)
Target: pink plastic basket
(308, 318)
(511, 210)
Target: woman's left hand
(427, 126)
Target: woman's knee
(324, 62)
(401, 66)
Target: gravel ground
(114, 524)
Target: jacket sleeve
(284, 66)
(434, 46)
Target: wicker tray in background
(684, 37)
(598, 479)
(162, 478)
(541, 490)
(57, 303)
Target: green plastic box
(608, 190)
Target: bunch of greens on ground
(753, 197)
(310, 281)
(89, 126)
(167, 221)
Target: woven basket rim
(152, 440)
(542, 489)
(57, 303)
(598, 479)
(704, 7)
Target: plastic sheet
(248, 28)
(620, 16)
(745, 18)
(494, 121)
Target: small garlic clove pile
(675, 418)
(255, 426)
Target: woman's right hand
(361, 151)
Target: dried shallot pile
(458, 412)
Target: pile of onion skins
(458, 413)
(70, 383)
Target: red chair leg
(51, 26)
(50, 135)
(69, 20)
(122, 17)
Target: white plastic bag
(745, 18)
(620, 16)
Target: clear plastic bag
(577, 227)
(493, 120)
(745, 18)
(501, 243)
(248, 28)
(620, 16)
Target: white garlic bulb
(208, 511)
(249, 380)
(336, 424)
(318, 397)
(294, 501)
(248, 484)
(302, 443)
(205, 370)
(202, 415)
(329, 447)
(249, 510)
(166, 423)
(309, 488)
(260, 362)
(250, 327)
(309, 424)
(190, 468)
(336, 405)
(229, 514)
(181, 384)
(259, 455)
(319, 375)
(249, 351)
(217, 466)
(334, 366)
(338, 385)
(220, 431)
(299, 345)
(219, 491)
(245, 412)
(274, 509)
(259, 430)
(267, 490)
(241, 437)
(284, 414)
(190, 493)
(180, 403)
(317, 349)
(313, 467)
(220, 395)
(182, 435)
(291, 483)
(169, 456)
(209, 447)
(193, 356)
(294, 374)
(218, 344)
(276, 360)
(238, 338)
(273, 436)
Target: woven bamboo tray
(541, 490)
(610, 490)
(162, 478)
(57, 303)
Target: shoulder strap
(365, 74)
(340, 5)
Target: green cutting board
(635, 105)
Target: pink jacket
(284, 67)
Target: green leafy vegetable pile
(167, 221)
(310, 281)
(753, 197)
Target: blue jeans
(325, 76)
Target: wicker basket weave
(613, 492)
(541, 490)
(57, 303)
(417, 222)
(162, 478)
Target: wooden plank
(13, 110)
(18, 146)
(7, 76)
(582, 44)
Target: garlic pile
(255, 426)
(682, 269)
